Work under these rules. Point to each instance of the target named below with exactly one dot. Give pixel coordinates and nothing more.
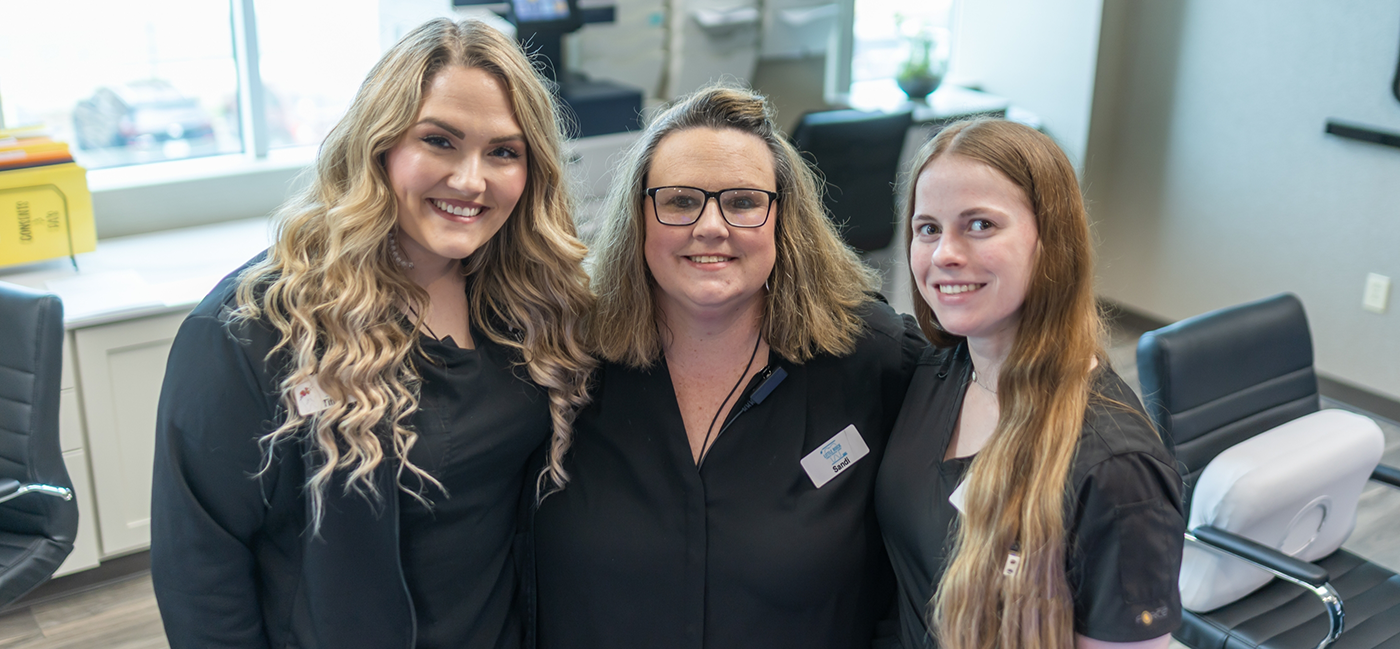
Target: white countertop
(147, 274)
(947, 102)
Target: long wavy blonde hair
(817, 284)
(1017, 485)
(332, 292)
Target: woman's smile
(710, 265)
(973, 247)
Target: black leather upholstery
(36, 530)
(1217, 379)
(1283, 616)
(1263, 555)
(858, 154)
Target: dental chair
(1272, 483)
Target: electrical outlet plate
(1377, 293)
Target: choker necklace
(979, 383)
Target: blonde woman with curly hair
(346, 422)
(1025, 499)
(720, 482)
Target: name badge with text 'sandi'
(835, 456)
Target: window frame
(155, 196)
(150, 197)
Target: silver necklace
(979, 383)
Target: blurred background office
(1198, 128)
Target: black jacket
(233, 558)
(273, 584)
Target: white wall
(1213, 183)
(1041, 55)
(629, 50)
(399, 17)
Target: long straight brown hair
(1017, 485)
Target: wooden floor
(118, 615)
(122, 614)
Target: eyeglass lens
(683, 205)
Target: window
(154, 96)
(313, 55)
(166, 79)
(123, 84)
(887, 31)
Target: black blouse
(478, 422)
(1125, 516)
(644, 549)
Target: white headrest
(1293, 488)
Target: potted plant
(920, 73)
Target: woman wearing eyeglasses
(719, 486)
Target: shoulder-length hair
(332, 291)
(1043, 389)
(817, 283)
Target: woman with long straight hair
(346, 422)
(1025, 499)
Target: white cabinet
(85, 552)
(70, 434)
(122, 305)
(120, 367)
(709, 40)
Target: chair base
(1283, 616)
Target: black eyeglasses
(741, 207)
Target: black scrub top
(479, 420)
(644, 549)
(1124, 507)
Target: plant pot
(919, 87)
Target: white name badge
(835, 456)
(311, 399)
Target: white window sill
(158, 173)
(161, 196)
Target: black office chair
(858, 154)
(1219, 379)
(38, 516)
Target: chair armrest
(11, 488)
(1387, 474)
(1263, 556)
(1308, 575)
